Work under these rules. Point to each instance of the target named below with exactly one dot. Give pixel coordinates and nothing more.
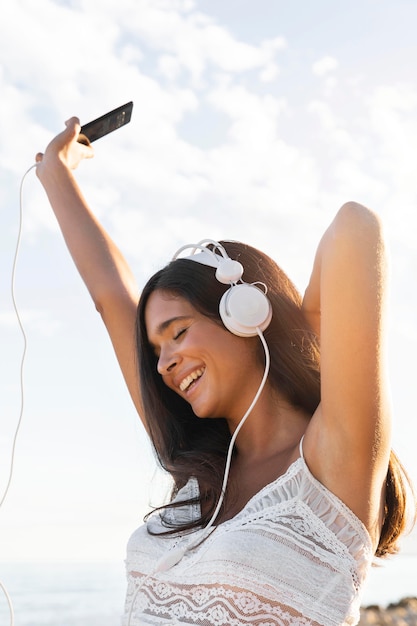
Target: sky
(253, 121)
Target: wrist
(52, 169)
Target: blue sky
(252, 121)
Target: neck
(273, 426)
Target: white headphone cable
(175, 555)
(22, 363)
(9, 602)
(239, 426)
(16, 310)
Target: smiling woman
(296, 406)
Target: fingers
(72, 127)
(72, 121)
(67, 147)
(89, 152)
(85, 146)
(83, 139)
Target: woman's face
(216, 372)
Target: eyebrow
(167, 323)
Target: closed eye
(179, 333)
(165, 329)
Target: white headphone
(244, 307)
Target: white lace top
(295, 555)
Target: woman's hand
(64, 149)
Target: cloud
(152, 181)
(324, 66)
(185, 39)
(155, 53)
(33, 320)
(336, 129)
(392, 116)
(196, 41)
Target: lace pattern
(216, 605)
(295, 555)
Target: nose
(167, 361)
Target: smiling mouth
(190, 380)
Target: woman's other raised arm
(98, 260)
(349, 440)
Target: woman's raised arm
(98, 260)
(349, 439)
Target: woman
(313, 491)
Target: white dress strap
(301, 448)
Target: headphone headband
(204, 257)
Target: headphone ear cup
(244, 308)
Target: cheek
(238, 351)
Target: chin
(203, 413)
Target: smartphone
(106, 124)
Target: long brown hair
(187, 446)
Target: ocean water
(92, 594)
(63, 594)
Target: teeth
(187, 381)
